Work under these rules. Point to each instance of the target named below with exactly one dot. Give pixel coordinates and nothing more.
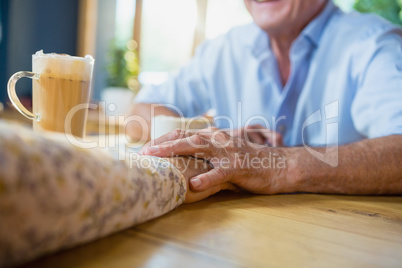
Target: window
(125, 11)
(345, 5)
(167, 34)
(168, 29)
(222, 15)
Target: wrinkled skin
(191, 167)
(259, 134)
(227, 154)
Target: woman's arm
(54, 195)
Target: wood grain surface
(242, 230)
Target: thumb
(209, 179)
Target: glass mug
(61, 86)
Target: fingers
(173, 135)
(199, 142)
(273, 138)
(255, 138)
(197, 196)
(209, 179)
(256, 126)
(254, 134)
(229, 186)
(261, 135)
(250, 133)
(176, 135)
(193, 145)
(192, 197)
(234, 132)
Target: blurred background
(134, 42)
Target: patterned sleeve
(54, 195)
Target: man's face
(278, 15)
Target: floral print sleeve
(54, 195)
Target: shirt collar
(314, 29)
(259, 41)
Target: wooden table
(242, 230)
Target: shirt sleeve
(54, 195)
(377, 106)
(186, 93)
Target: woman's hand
(255, 168)
(190, 167)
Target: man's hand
(255, 168)
(367, 167)
(258, 134)
(191, 167)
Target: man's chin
(270, 25)
(264, 1)
(267, 2)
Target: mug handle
(13, 95)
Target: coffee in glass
(60, 94)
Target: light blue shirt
(345, 82)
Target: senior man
(329, 83)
